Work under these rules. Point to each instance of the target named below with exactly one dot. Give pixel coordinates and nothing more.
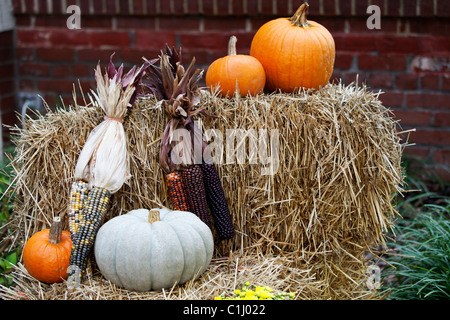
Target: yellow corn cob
(78, 194)
(92, 216)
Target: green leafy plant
(420, 259)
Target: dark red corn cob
(176, 191)
(194, 187)
(217, 201)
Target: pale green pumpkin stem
(153, 216)
(54, 235)
(299, 17)
(232, 46)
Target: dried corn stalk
(181, 159)
(103, 164)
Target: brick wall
(7, 87)
(408, 58)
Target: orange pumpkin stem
(54, 235)
(299, 17)
(232, 46)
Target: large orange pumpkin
(236, 71)
(46, 254)
(296, 53)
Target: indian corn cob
(91, 217)
(78, 194)
(217, 202)
(176, 191)
(193, 185)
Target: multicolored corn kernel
(217, 202)
(78, 193)
(176, 191)
(194, 187)
(92, 216)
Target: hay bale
(328, 203)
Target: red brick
(193, 7)
(62, 70)
(336, 24)
(118, 39)
(421, 152)
(343, 60)
(6, 87)
(428, 100)
(165, 8)
(33, 69)
(384, 62)
(442, 156)
(138, 7)
(392, 98)
(329, 7)
(95, 55)
(266, 7)
(98, 7)
(176, 23)
(55, 54)
(359, 25)
(23, 21)
(135, 22)
(282, 9)
(82, 70)
(252, 7)
(410, 8)
(430, 82)
(446, 82)
(6, 54)
(429, 26)
(27, 85)
(222, 8)
(97, 22)
(355, 42)
(406, 81)
(133, 55)
(349, 77)
(407, 45)
(58, 86)
(431, 137)
(381, 80)
(224, 23)
(7, 70)
(360, 7)
(208, 7)
(414, 118)
(151, 7)
(443, 8)
(393, 8)
(205, 40)
(442, 119)
(149, 39)
(427, 8)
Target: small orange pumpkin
(296, 53)
(46, 254)
(236, 71)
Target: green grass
(419, 254)
(8, 256)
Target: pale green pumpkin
(136, 253)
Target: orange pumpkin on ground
(236, 71)
(296, 53)
(46, 254)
